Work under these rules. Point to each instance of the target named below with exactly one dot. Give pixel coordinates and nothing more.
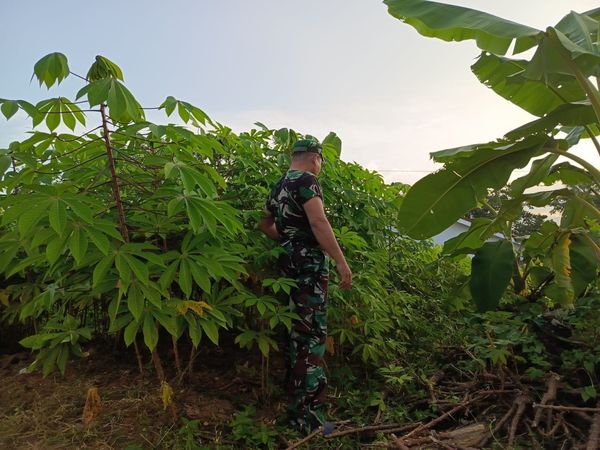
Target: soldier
(295, 217)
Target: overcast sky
(316, 66)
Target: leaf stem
(489, 207)
(69, 168)
(76, 138)
(152, 141)
(588, 87)
(593, 138)
(593, 244)
(587, 127)
(590, 206)
(69, 112)
(593, 171)
(79, 76)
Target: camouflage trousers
(306, 381)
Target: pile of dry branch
(503, 409)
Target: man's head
(307, 154)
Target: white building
(457, 228)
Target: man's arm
(267, 226)
(322, 230)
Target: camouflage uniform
(305, 262)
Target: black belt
(299, 242)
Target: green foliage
(455, 23)
(525, 220)
(134, 258)
(491, 271)
(121, 103)
(52, 68)
(436, 201)
(554, 85)
(504, 339)
(57, 341)
(104, 68)
(250, 434)
(188, 435)
(154, 226)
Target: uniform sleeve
(308, 188)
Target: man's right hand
(345, 275)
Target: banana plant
(560, 85)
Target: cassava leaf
(52, 68)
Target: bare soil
(46, 413)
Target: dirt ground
(46, 413)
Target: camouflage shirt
(286, 204)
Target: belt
(295, 242)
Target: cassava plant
(113, 226)
(111, 221)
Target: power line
(402, 170)
(427, 171)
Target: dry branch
(460, 438)
(549, 396)
(521, 403)
(466, 401)
(305, 440)
(441, 444)
(592, 443)
(552, 431)
(389, 428)
(567, 408)
(498, 426)
(583, 416)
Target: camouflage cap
(307, 145)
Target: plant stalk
(158, 366)
(138, 356)
(587, 86)
(177, 359)
(114, 179)
(593, 171)
(593, 138)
